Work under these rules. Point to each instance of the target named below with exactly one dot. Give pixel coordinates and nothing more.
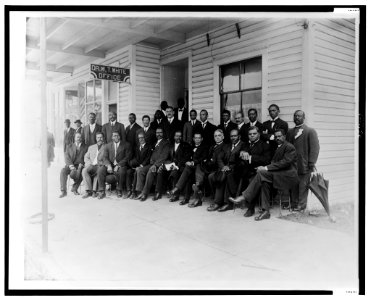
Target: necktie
(193, 123)
(115, 149)
(233, 146)
(203, 125)
(140, 148)
(145, 129)
(225, 125)
(272, 125)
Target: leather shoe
(143, 197)
(195, 204)
(94, 195)
(184, 201)
(76, 193)
(236, 200)
(63, 194)
(101, 195)
(86, 195)
(156, 196)
(119, 194)
(139, 197)
(249, 213)
(299, 208)
(133, 195)
(213, 207)
(225, 207)
(264, 215)
(174, 198)
(128, 195)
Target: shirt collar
(113, 123)
(298, 126)
(253, 123)
(254, 142)
(204, 122)
(240, 125)
(275, 119)
(237, 143)
(170, 120)
(226, 123)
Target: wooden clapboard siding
(147, 95)
(334, 104)
(282, 40)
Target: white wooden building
(296, 63)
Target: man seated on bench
(280, 174)
(118, 154)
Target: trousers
(75, 175)
(299, 192)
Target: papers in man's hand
(171, 166)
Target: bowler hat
(78, 121)
(67, 121)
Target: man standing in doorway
(181, 112)
(91, 130)
(111, 126)
(307, 147)
(69, 134)
(172, 125)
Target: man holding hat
(69, 135)
(78, 126)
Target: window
(241, 86)
(94, 100)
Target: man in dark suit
(131, 130)
(158, 121)
(90, 131)
(189, 127)
(181, 112)
(180, 153)
(227, 125)
(307, 147)
(227, 164)
(185, 181)
(79, 128)
(242, 127)
(171, 125)
(149, 133)
(68, 136)
(147, 174)
(74, 159)
(111, 126)
(141, 159)
(206, 129)
(253, 154)
(252, 113)
(270, 126)
(94, 158)
(281, 174)
(211, 164)
(118, 155)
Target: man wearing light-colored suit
(189, 127)
(306, 143)
(94, 158)
(90, 131)
(111, 126)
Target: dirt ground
(342, 218)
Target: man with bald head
(306, 143)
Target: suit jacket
(86, 134)
(71, 157)
(131, 136)
(92, 152)
(307, 147)
(231, 125)
(181, 155)
(124, 154)
(149, 136)
(141, 157)
(231, 157)
(260, 156)
(68, 138)
(244, 131)
(207, 133)
(185, 114)
(154, 124)
(278, 124)
(188, 131)
(199, 154)
(160, 153)
(107, 131)
(213, 162)
(170, 129)
(79, 130)
(284, 168)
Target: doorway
(174, 82)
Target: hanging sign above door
(110, 73)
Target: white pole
(44, 151)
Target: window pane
(230, 77)
(252, 99)
(89, 91)
(251, 73)
(98, 91)
(232, 102)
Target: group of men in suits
(177, 155)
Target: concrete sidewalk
(125, 243)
